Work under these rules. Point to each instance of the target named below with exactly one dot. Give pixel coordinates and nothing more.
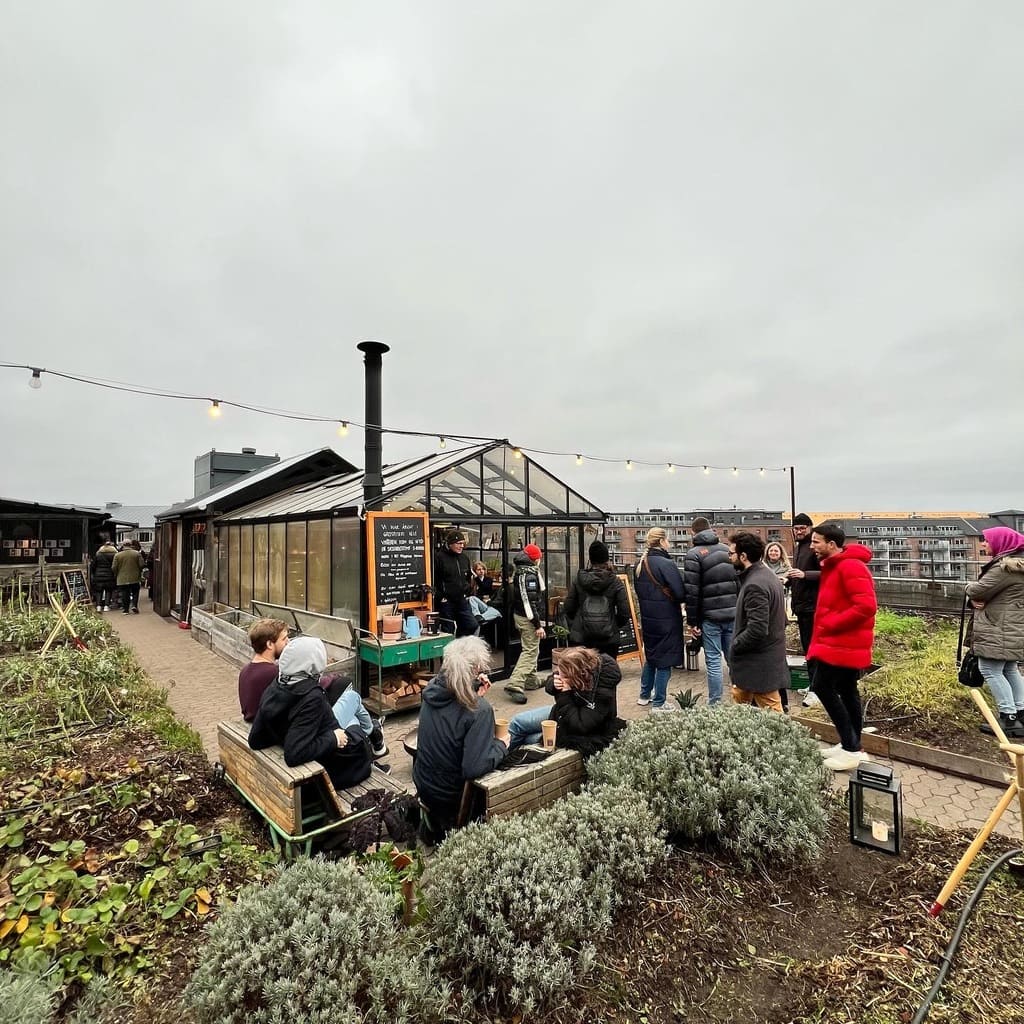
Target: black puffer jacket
(805, 591)
(661, 616)
(710, 581)
(601, 582)
(453, 744)
(588, 720)
(102, 570)
(528, 590)
(299, 718)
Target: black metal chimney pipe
(373, 476)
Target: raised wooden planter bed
(230, 636)
(202, 621)
(973, 768)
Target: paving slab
(202, 689)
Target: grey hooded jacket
(998, 628)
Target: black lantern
(876, 809)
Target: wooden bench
(527, 788)
(300, 803)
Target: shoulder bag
(968, 672)
(661, 586)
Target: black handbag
(969, 671)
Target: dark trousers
(129, 596)
(805, 624)
(836, 688)
(458, 611)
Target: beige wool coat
(997, 630)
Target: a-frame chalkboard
(631, 642)
(397, 560)
(76, 585)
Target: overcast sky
(728, 233)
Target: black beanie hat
(802, 519)
(598, 553)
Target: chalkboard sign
(76, 585)
(631, 644)
(397, 564)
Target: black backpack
(597, 618)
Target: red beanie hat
(534, 552)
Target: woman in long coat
(659, 588)
(997, 627)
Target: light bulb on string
(706, 470)
(671, 468)
(629, 463)
(35, 382)
(761, 471)
(517, 452)
(215, 409)
(343, 428)
(735, 471)
(442, 443)
(579, 460)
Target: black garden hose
(954, 942)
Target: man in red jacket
(844, 631)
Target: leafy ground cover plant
(516, 904)
(748, 781)
(319, 944)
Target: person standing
(127, 565)
(710, 586)
(997, 625)
(453, 583)
(102, 575)
(659, 589)
(597, 605)
(844, 632)
(529, 615)
(757, 655)
(804, 579)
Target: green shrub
(517, 903)
(25, 998)
(320, 945)
(750, 781)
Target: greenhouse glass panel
(261, 561)
(295, 590)
(222, 564)
(318, 573)
(548, 496)
(345, 568)
(456, 492)
(234, 538)
(277, 563)
(504, 483)
(245, 570)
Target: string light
(216, 406)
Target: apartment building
(927, 545)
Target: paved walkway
(202, 689)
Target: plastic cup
(501, 729)
(548, 729)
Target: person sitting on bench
(455, 740)
(296, 714)
(268, 638)
(583, 684)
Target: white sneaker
(664, 707)
(643, 701)
(811, 700)
(106, 607)
(846, 760)
(827, 752)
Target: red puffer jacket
(844, 619)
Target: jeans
(717, 638)
(350, 713)
(525, 727)
(836, 688)
(654, 684)
(1004, 682)
(526, 666)
(457, 611)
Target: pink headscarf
(1001, 539)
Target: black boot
(380, 748)
(1012, 726)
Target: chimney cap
(372, 347)
(248, 451)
